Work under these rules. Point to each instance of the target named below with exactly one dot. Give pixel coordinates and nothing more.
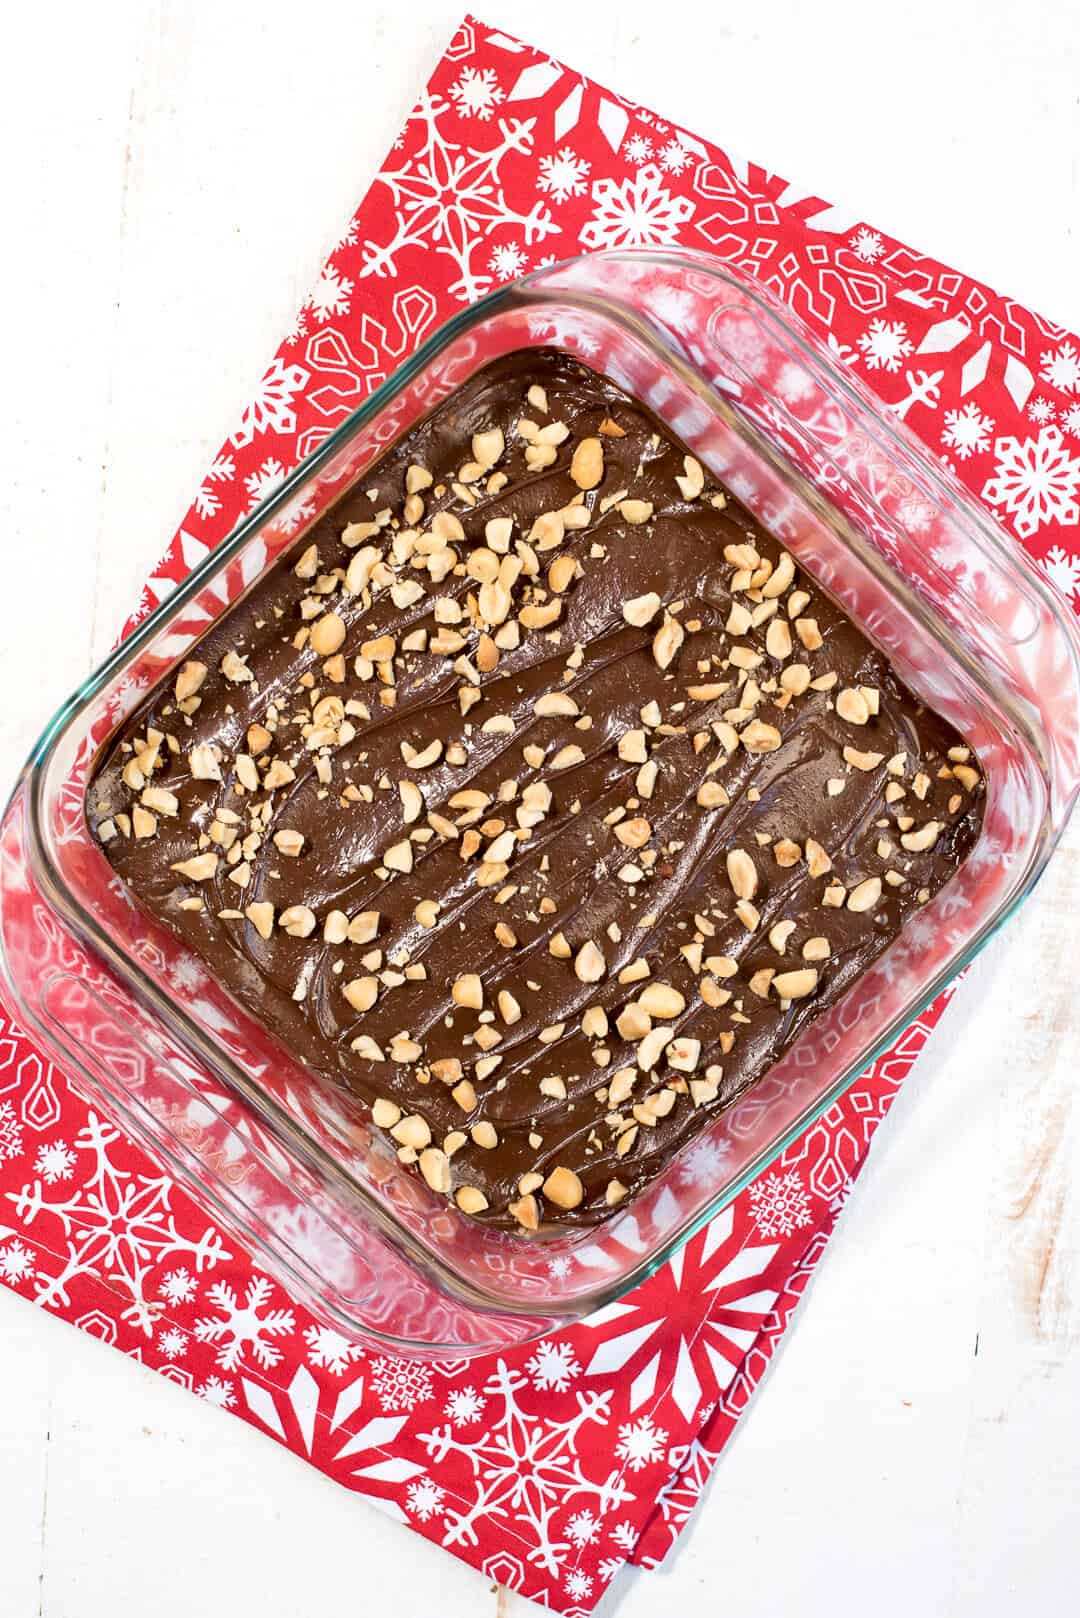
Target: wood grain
(1041, 1165)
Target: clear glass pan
(288, 1165)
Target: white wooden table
(169, 188)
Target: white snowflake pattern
(16, 1261)
(186, 973)
(564, 174)
(331, 295)
(1070, 420)
(207, 502)
(270, 476)
(675, 158)
(401, 1384)
(640, 1443)
(867, 245)
(1041, 410)
(609, 1566)
(146, 604)
(704, 1161)
(1061, 368)
(967, 431)
(114, 1224)
(178, 1286)
(11, 1141)
(674, 306)
(271, 409)
(748, 347)
(1036, 481)
(465, 1405)
(449, 198)
(794, 383)
(296, 512)
(127, 692)
(638, 149)
(779, 1204)
(217, 1390)
(1062, 570)
(424, 1498)
(625, 1536)
(307, 1233)
(564, 331)
(553, 1365)
(582, 1528)
(173, 1342)
(884, 344)
(507, 261)
(238, 1328)
(527, 1468)
(477, 93)
(55, 1161)
(329, 1350)
(299, 328)
(915, 513)
(635, 212)
(958, 558)
(578, 1585)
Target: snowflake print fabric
(553, 1366)
(639, 212)
(240, 1328)
(451, 197)
(16, 1261)
(55, 1161)
(477, 92)
(172, 1342)
(465, 1405)
(11, 1132)
(112, 1221)
(1036, 482)
(401, 1384)
(563, 174)
(1061, 368)
(550, 1467)
(779, 1204)
(966, 431)
(639, 1443)
(270, 410)
(884, 344)
(329, 1350)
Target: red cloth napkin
(551, 1466)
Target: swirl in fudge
(536, 797)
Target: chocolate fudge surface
(536, 796)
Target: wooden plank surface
(170, 186)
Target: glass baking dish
(288, 1165)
